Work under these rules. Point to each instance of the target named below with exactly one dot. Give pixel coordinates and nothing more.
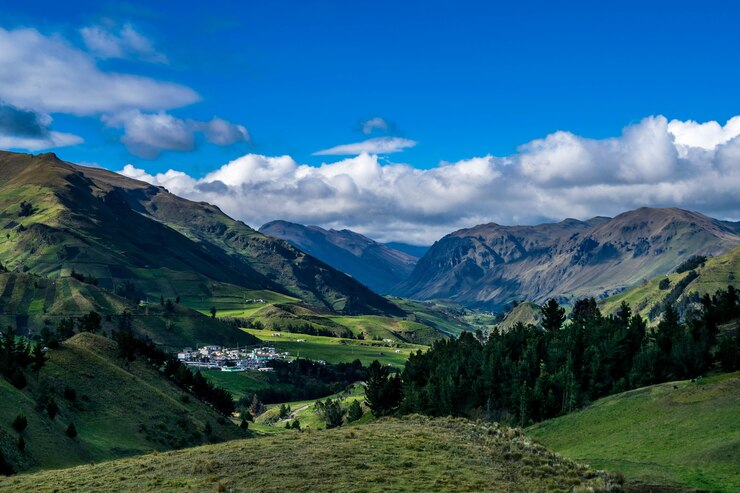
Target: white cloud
(47, 74)
(379, 145)
(48, 141)
(377, 123)
(562, 175)
(148, 134)
(126, 43)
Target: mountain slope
(117, 411)
(377, 266)
(409, 454)
(30, 303)
(490, 265)
(115, 229)
(681, 433)
(684, 289)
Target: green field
(680, 433)
(411, 454)
(338, 350)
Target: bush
(71, 430)
(354, 412)
(664, 284)
(70, 394)
(52, 409)
(20, 423)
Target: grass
(681, 433)
(406, 455)
(304, 412)
(338, 350)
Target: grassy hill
(525, 312)
(30, 302)
(117, 411)
(410, 454)
(681, 433)
(717, 273)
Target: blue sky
(444, 81)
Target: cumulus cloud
(378, 145)
(561, 175)
(24, 129)
(126, 43)
(148, 134)
(47, 74)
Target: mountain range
(490, 265)
(378, 266)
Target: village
(230, 359)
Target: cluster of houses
(230, 359)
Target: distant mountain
(377, 266)
(58, 217)
(417, 251)
(490, 265)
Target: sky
(397, 120)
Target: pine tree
(354, 412)
(553, 316)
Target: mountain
(682, 289)
(117, 410)
(408, 454)
(417, 251)
(683, 434)
(490, 265)
(59, 217)
(374, 264)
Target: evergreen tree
(382, 392)
(20, 422)
(354, 412)
(553, 316)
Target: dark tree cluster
(383, 392)
(304, 379)
(529, 374)
(84, 278)
(26, 209)
(308, 329)
(16, 355)
(693, 262)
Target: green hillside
(681, 433)
(58, 217)
(525, 313)
(645, 299)
(410, 454)
(338, 350)
(117, 410)
(31, 302)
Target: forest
(529, 374)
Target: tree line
(530, 373)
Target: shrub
(71, 430)
(52, 409)
(70, 394)
(20, 423)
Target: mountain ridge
(374, 264)
(488, 266)
(114, 229)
